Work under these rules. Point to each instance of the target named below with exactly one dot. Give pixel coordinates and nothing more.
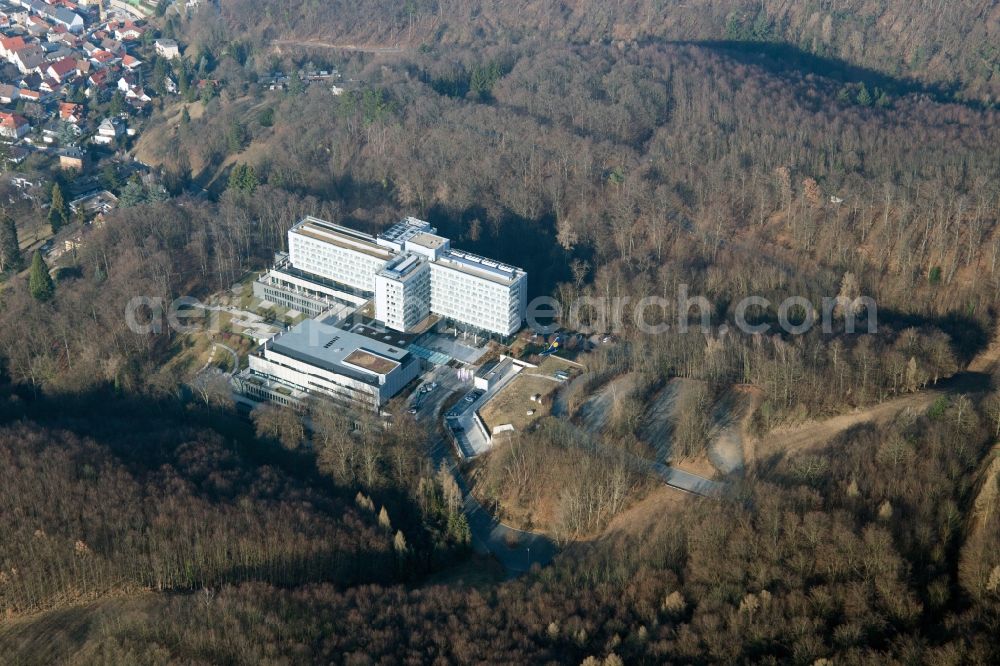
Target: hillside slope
(951, 45)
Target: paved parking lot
(429, 404)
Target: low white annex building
(322, 360)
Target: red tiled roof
(12, 43)
(12, 120)
(63, 67)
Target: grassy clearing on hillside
(512, 404)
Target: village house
(13, 126)
(28, 58)
(98, 78)
(10, 45)
(36, 25)
(137, 97)
(47, 87)
(167, 48)
(29, 95)
(102, 58)
(8, 93)
(72, 159)
(62, 70)
(63, 38)
(127, 31)
(125, 82)
(70, 113)
(107, 132)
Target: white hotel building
(479, 292)
(409, 270)
(403, 292)
(337, 253)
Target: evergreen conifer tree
(40, 282)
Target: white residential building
(13, 126)
(167, 48)
(107, 132)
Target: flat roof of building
(402, 267)
(337, 350)
(384, 335)
(405, 229)
(389, 246)
(432, 241)
(339, 236)
(495, 367)
(371, 362)
(473, 264)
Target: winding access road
(517, 550)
